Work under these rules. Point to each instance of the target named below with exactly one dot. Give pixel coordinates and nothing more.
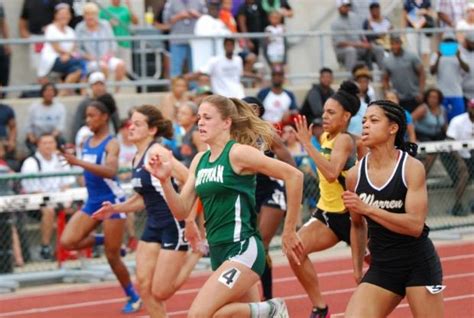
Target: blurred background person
(318, 94)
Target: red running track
(105, 299)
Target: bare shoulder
(414, 171)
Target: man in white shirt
(461, 127)
(226, 72)
(45, 159)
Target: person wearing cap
(312, 107)
(362, 78)
(404, 72)
(461, 127)
(448, 69)
(59, 57)
(468, 78)
(352, 47)
(99, 55)
(279, 103)
(98, 89)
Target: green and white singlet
(228, 199)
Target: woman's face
(139, 129)
(95, 119)
(210, 122)
(433, 99)
(335, 118)
(91, 18)
(48, 94)
(185, 116)
(376, 127)
(180, 87)
(288, 135)
(63, 17)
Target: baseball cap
(341, 3)
(374, 5)
(363, 72)
(96, 77)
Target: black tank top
(390, 197)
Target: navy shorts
(170, 237)
(339, 223)
(415, 267)
(271, 194)
(92, 206)
(68, 67)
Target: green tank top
(228, 199)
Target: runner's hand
(104, 212)
(292, 246)
(159, 163)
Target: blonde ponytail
(247, 128)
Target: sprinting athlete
(162, 262)
(100, 163)
(330, 222)
(223, 178)
(388, 189)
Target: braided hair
(396, 114)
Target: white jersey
(225, 75)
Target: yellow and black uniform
(330, 208)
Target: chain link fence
(450, 190)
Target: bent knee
(163, 293)
(67, 244)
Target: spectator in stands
(208, 24)
(5, 52)
(279, 102)
(378, 23)
(450, 12)
(282, 6)
(98, 89)
(45, 116)
(59, 57)
(99, 55)
(318, 94)
(468, 78)
(430, 117)
(350, 47)
(418, 14)
(177, 96)
(225, 72)
(462, 171)
(403, 71)
(191, 143)
(392, 96)
(34, 18)
(448, 69)
(467, 24)
(182, 16)
(8, 132)
(295, 148)
(121, 18)
(362, 77)
(251, 18)
(45, 159)
(228, 18)
(164, 28)
(275, 46)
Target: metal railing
(143, 48)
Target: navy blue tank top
(99, 188)
(384, 244)
(149, 187)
